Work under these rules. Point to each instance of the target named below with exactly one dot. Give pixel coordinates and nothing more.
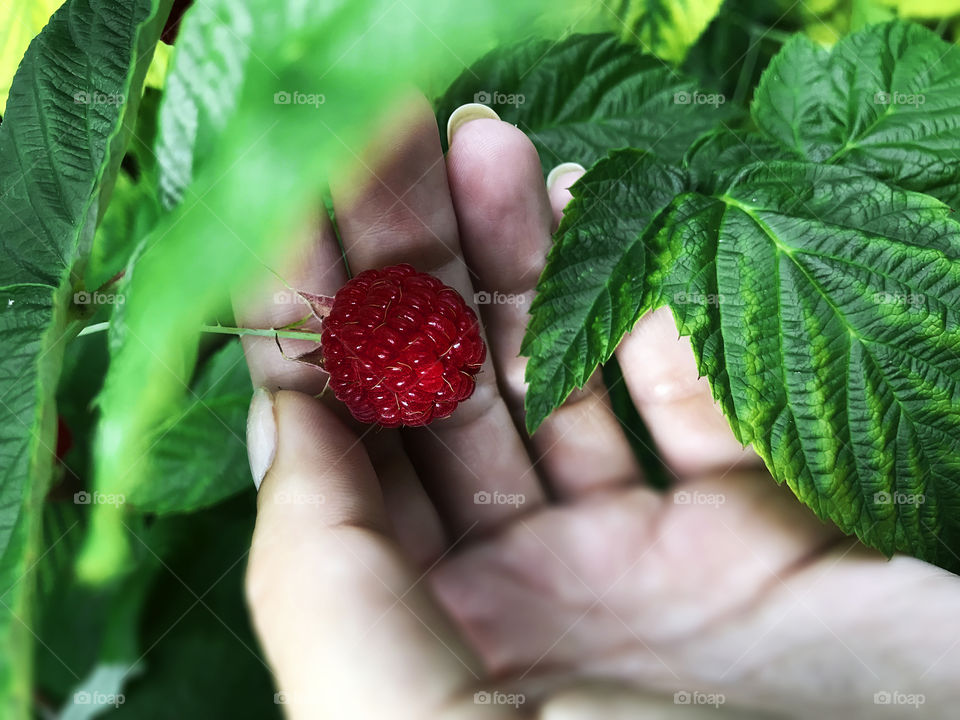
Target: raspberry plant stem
(265, 332)
(226, 330)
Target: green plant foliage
(204, 661)
(618, 97)
(885, 101)
(172, 636)
(788, 194)
(822, 305)
(59, 152)
(98, 649)
(820, 294)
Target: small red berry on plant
(401, 347)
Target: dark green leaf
(60, 146)
(885, 101)
(593, 287)
(580, 98)
(823, 306)
(715, 158)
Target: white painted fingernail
(261, 435)
(561, 170)
(466, 113)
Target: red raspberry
(401, 347)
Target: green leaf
(16, 592)
(134, 206)
(60, 146)
(823, 306)
(885, 101)
(666, 28)
(580, 98)
(199, 457)
(593, 287)
(715, 158)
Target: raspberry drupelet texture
(401, 347)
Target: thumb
(345, 623)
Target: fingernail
(466, 113)
(561, 170)
(261, 435)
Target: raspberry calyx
(401, 347)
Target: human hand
(381, 588)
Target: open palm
(464, 570)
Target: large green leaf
(60, 146)
(582, 97)
(823, 306)
(886, 101)
(593, 288)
